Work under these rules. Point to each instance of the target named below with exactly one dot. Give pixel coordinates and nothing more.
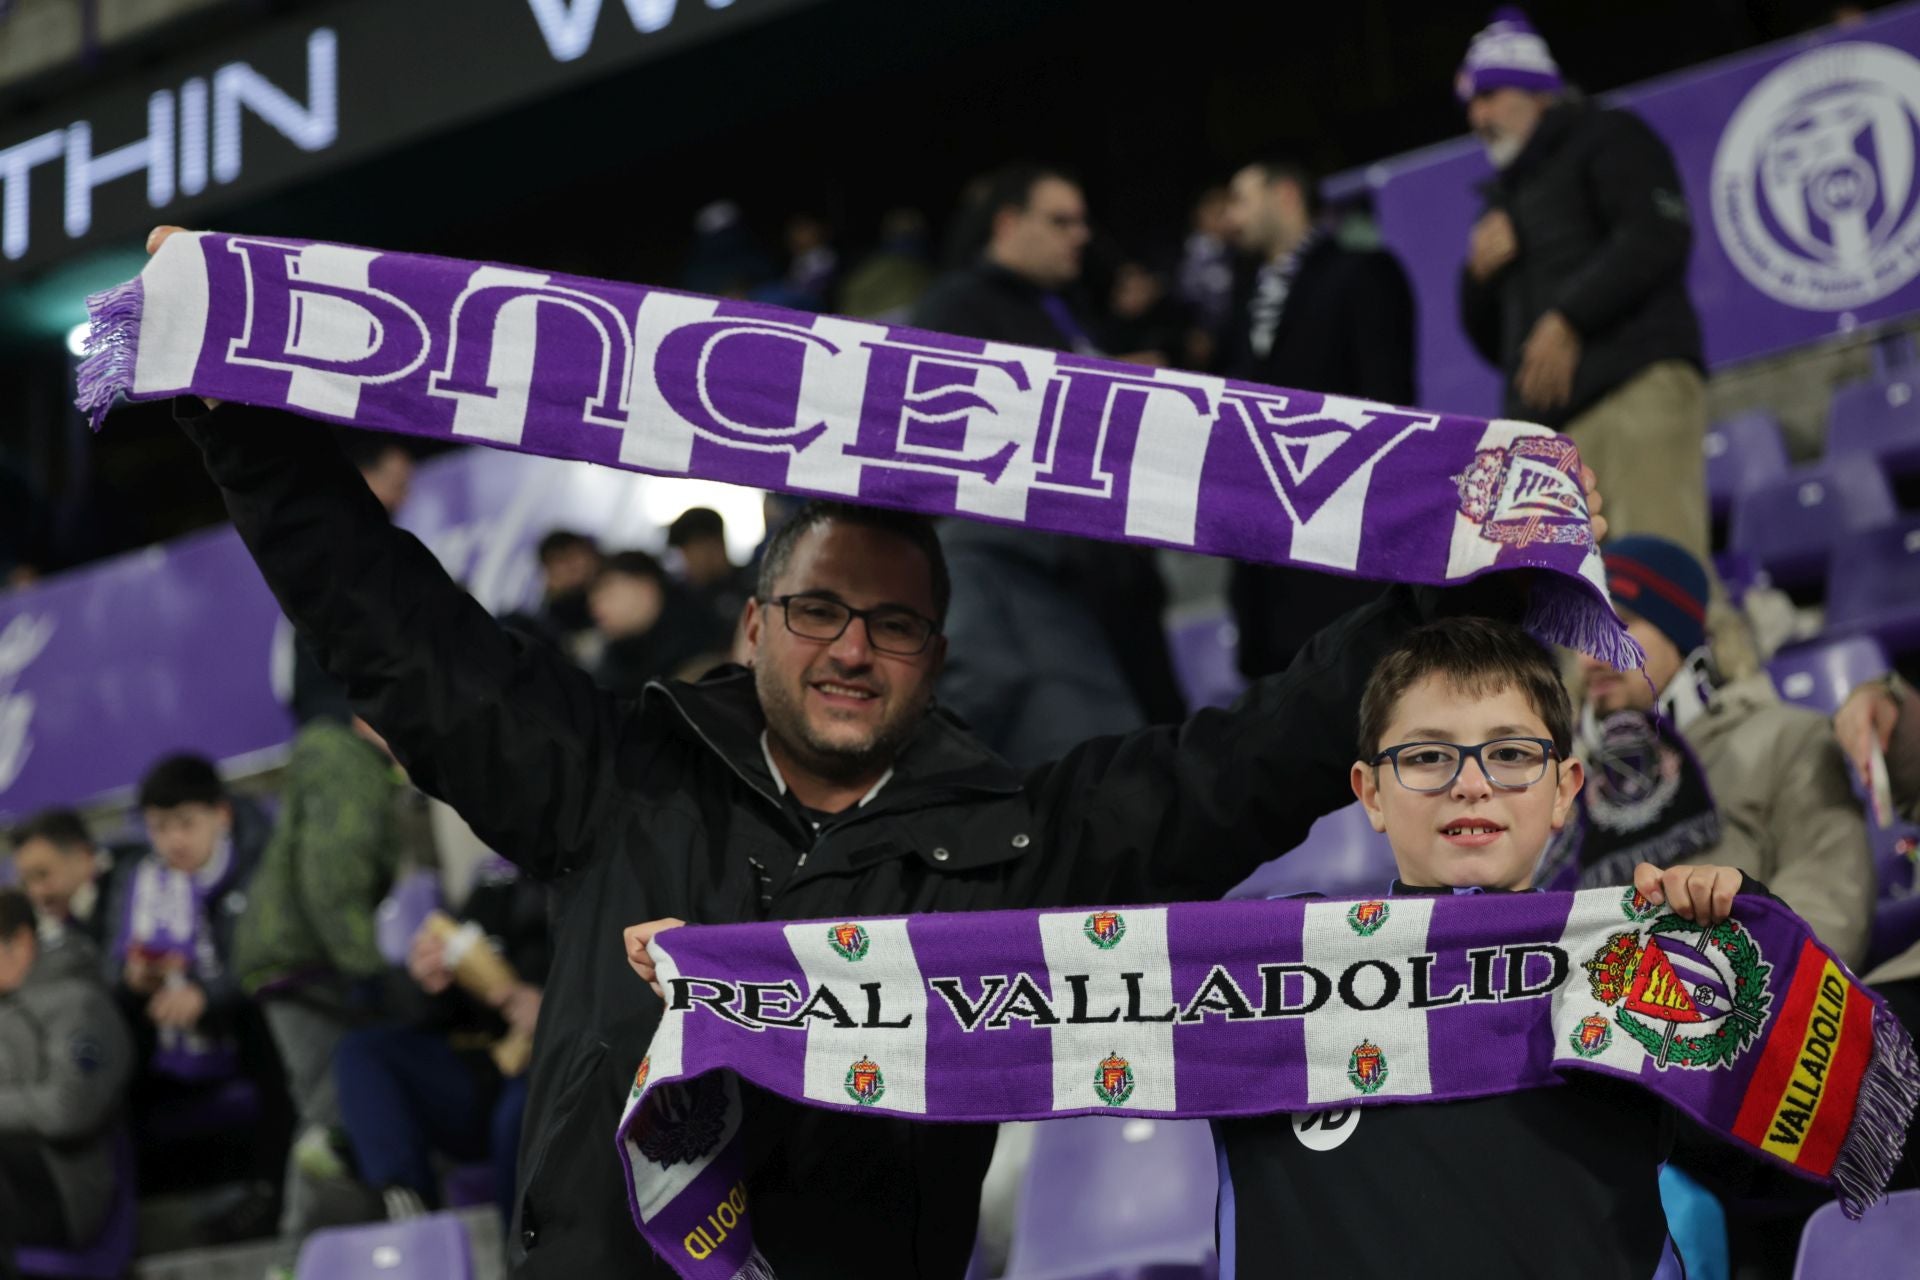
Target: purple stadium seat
(1743, 453)
(1204, 652)
(430, 1248)
(110, 1254)
(1873, 585)
(1896, 926)
(1820, 675)
(1880, 419)
(1893, 356)
(1831, 1248)
(1113, 1199)
(1342, 857)
(414, 896)
(1738, 573)
(1790, 525)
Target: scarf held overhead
(1246, 1008)
(673, 384)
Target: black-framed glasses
(891, 628)
(1511, 764)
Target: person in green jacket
(306, 947)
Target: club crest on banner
(849, 941)
(1636, 906)
(1367, 917)
(865, 1084)
(1691, 997)
(1104, 929)
(1815, 196)
(1367, 1067)
(1591, 1038)
(1113, 1080)
(1526, 492)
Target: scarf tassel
(1563, 611)
(1889, 1092)
(113, 338)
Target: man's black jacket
(661, 806)
(1604, 234)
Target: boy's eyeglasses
(1511, 764)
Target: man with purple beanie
(1574, 282)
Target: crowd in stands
(231, 974)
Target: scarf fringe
(113, 338)
(755, 1268)
(1889, 1092)
(1565, 612)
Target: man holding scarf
(821, 782)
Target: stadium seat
(414, 896)
(1744, 452)
(1790, 525)
(1820, 675)
(1873, 585)
(110, 1254)
(1342, 857)
(1113, 1199)
(1831, 1248)
(1896, 926)
(1204, 652)
(1697, 1225)
(1878, 419)
(430, 1248)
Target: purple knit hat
(1508, 53)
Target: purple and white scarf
(165, 923)
(669, 383)
(1751, 1027)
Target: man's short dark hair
(1012, 187)
(916, 529)
(62, 828)
(182, 779)
(563, 540)
(696, 523)
(16, 913)
(1286, 168)
(1478, 656)
(367, 449)
(633, 564)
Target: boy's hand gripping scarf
(1244, 1008)
(673, 384)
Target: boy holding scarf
(1466, 766)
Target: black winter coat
(1604, 234)
(663, 806)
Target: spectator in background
(886, 284)
(1142, 317)
(1789, 817)
(650, 630)
(305, 948)
(713, 581)
(67, 878)
(1575, 283)
(441, 1083)
(1203, 284)
(1034, 692)
(1316, 316)
(64, 1063)
(569, 562)
(171, 968)
(813, 269)
(725, 260)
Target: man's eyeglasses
(891, 628)
(1511, 764)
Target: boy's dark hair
(633, 564)
(181, 779)
(696, 523)
(564, 540)
(16, 913)
(915, 529)
(1479, 656)
(62, 828)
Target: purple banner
(1799, 165)
(181, 647)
